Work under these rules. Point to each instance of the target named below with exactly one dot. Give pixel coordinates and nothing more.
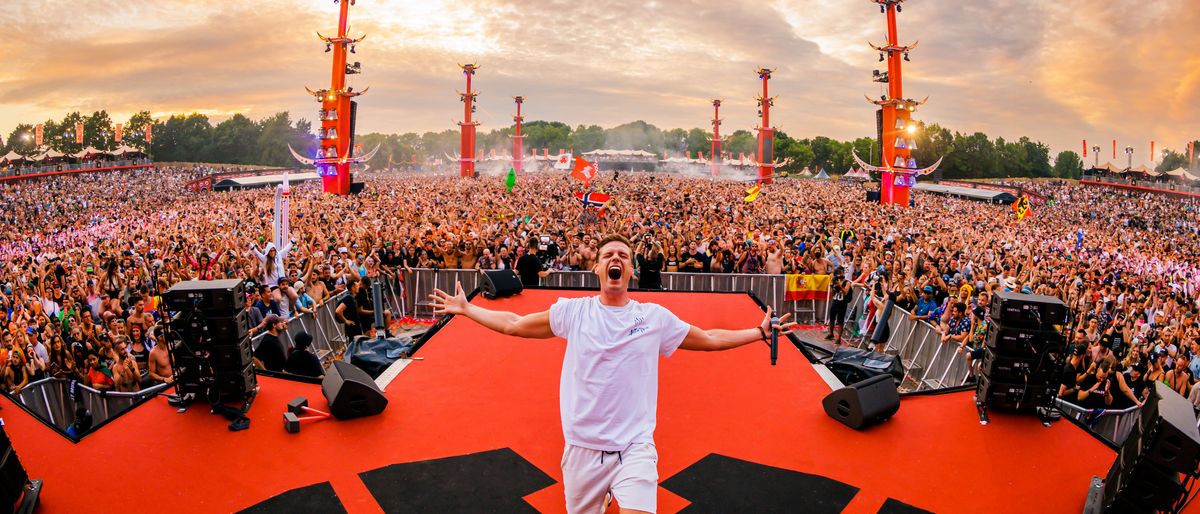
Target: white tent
(1179, 173)
(13, 157)
(50, 154)
(822, 174)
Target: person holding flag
(584, 170)
(1021, 206)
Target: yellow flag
(752, 193)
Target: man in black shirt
(271, 354)
(348, 310)
(529, 266)
(1069, 379)
(303, 362)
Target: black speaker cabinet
(12, 475)
(1014, 396)
(1018, 340)
(1000, 367)
(865, 403)
(351, 392)
(1031, 310)
(214, 296)
(1171, 439)
(500, 284)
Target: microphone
(774, 340)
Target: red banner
(1152, 151)
(1191, 152)
(150, 128)
(119, 132)
(38, 133)
(79, 133)
(1085, 149)
(1114, 149)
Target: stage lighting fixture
(880, 56)
(882, 9)
(911, 128)
(352, 49)
(899, 8)
(906, 56)
(328, 48)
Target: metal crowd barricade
(769, 288)
(50, 399)
(1113, 426)
(329, 338)
(929, 364)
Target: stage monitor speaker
(12, 474)
(1170, 438)
(351, 392)
(500, 284)
(213, 296)
(851, 365)
(865, 403)
(1023, 341)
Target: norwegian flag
(594, 201)
(563, 162)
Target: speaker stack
(15, 485)
(1163, 447)
(1023, 353)
(211, 353)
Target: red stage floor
(477, 391)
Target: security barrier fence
(51, 400)
(930, 364)
(410, 296)
(328, 336)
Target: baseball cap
(979, 312)
(272, 319)
(927, 289)
(299, 284)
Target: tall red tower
(518, 155)
(898, 168)
(337, 113)
(467, 160)
(716, 140)
(766, 133)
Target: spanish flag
(1021, 206)
(752, 193)
(807, 287)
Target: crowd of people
(86, 258)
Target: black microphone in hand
(774, 339)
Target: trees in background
(240, 140)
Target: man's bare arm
(535, 326)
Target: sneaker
(828, 337)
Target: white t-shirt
(608, 393)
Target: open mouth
(614, 272)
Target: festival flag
(149, 137)
(584, 170)
(120, 132)
(563, 162)
(1114, 149)
(752, 193)
(79, 133)
(807, 287)
(1022, 208)
(38, 133)
(597, 201)
(1085, 149)
(1152, 151)
(511, 179)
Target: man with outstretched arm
(608, 393)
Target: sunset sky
(1057, 71)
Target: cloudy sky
(1057, 71)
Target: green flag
(511, 180)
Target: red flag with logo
(38, 133)
(149, 135)
(120, 131)
(584, 170)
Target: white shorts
(631, 475)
